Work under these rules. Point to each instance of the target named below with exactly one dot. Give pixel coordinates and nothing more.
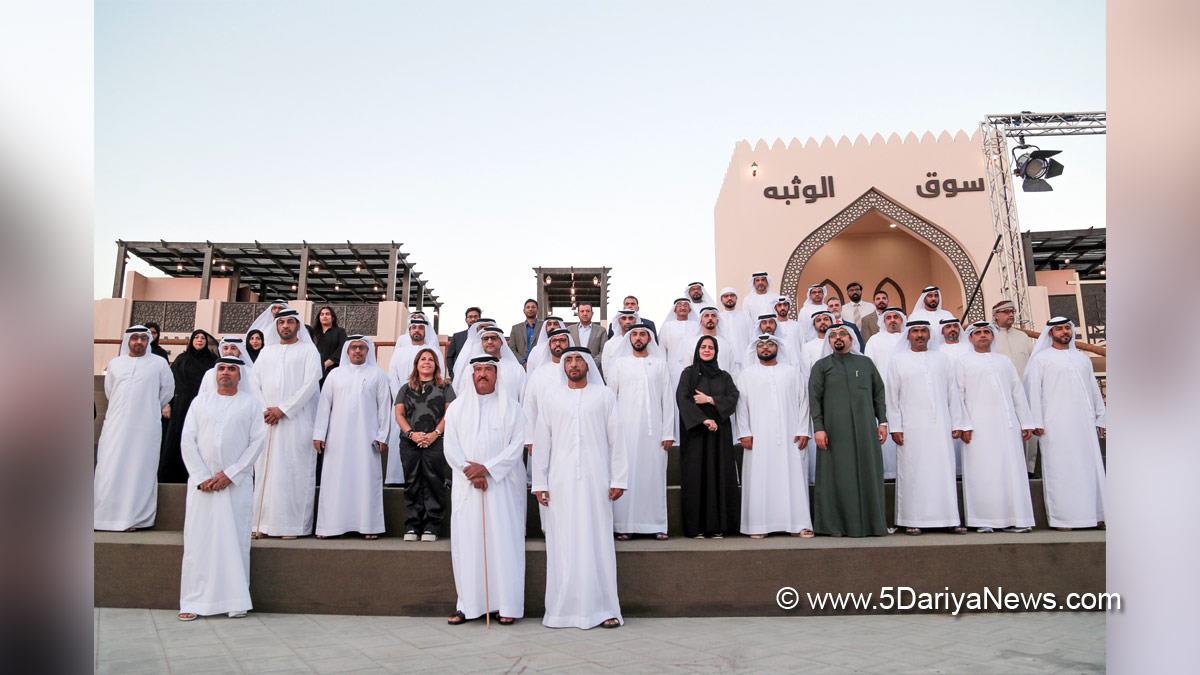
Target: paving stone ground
(154, 641)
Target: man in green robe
(849, 418)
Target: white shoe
(429, 536)
(699, 536)
(237, 615)
(985, 530)
(410, 536)
(1019, 530)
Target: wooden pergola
(571, 287)
(335, 272)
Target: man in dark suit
(588, 334)
(524, 335)
(459, 339)
(631, 302)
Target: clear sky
(490, 138)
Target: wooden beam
(206, 272)
(302, 284)
(119, 275)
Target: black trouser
(426, 486)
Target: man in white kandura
(548, 374)
(1069, 419)
(287, 378)
(626, 319)
(924, 410)
(222, 436)
(677, 334)
(811, 352)
(354, 416)
(579, 469)
(646, 407)
(735, 325)
(759, 300)
(138, 385)
(879, 349)
(484, 442)
(814, 302)
(511, 374)
(995, 486)
(774, 428)
(929, 308)
(234, 347)
(953, 347)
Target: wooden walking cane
(487, 599)
(257, 534)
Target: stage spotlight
(1034, 166)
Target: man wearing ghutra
(138, 386)
(880, 350)
(484, 441)
(354, 416)
(925, 417)
(1069, 419)
(760, 298)
(735, 324)
(995, 487)
(287, 378)
(222, 437)
(849, 417)
(774, 429)
(639, 378)
(579, 469)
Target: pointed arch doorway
(877, 241)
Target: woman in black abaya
(189, 369)
(706, 397)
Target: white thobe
(954, 352)
(490, 433)
(125, 488)
(288, 377)
(879, 350)
(400, 368)
(577, 459)
(646, 408)
(510, 378)
(792, 333)
(772, 409)
(1065, 400)
(924, 404)
(934, 318)
(811, 353)
(735, 326)
(756, 305)
(678, 340)
(1017, 346)
(353, 412)
(995, 486)
(221, 434)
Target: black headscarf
(193, 363)
(155, 347)
(702, 368)
(250, 350)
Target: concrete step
(737, 576)
(172, 497)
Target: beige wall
(141, 287)
(755, 233)
(869, 257)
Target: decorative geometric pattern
(873, 200)
(236, 317)
(357, 319)
(172, 316)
